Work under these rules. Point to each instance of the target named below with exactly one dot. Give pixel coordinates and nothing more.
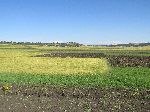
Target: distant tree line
(124, 45)
(57, 44)
(133, 44)
(72, 44)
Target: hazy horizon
(82, 21)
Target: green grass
(118, 78)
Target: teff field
(23, 62)
(75, 75)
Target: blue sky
(84, 21)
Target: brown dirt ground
(46, 98)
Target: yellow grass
(20, 61)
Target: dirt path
(24, 98)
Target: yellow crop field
(20, 61)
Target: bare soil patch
(48, 98)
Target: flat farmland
(90, 79)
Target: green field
(18, 65)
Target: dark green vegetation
(118, 78)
